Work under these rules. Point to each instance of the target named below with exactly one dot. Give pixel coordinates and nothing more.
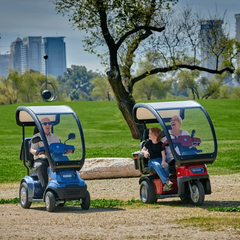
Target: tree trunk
(125, 102)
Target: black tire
(85, 204)
(50, 201)
(198, 195)
(23, 196)
(147, 192)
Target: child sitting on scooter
(155, 152)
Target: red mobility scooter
(188, 170)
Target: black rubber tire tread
(147, 192)
(26, 204)
(50, 201)
(201, 193)
(85, 205)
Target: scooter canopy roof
(25, 115)
(144, 112)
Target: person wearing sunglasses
(40, 160)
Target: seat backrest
(144, 138)
(35, 130)
(145, 134)
(26, 152)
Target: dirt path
(168, 219)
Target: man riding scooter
(40, 160)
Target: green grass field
(107, 135)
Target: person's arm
(33, 147)
(32, 151)
(164, 163)
(145, 152)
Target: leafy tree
(102, 89)
(76, 81)
(129, 28)
(146, 88)
(152, 85)
(14, 81)
(235, 92)
(74, 95)
(18, 88)
(7, 94)
(187, 79)
(224, 92)
(237, 75)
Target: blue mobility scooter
(65, 161)
(190, 154)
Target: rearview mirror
(71, 136)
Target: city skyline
(46, 55)
(39, 18)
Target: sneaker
(169, 183)
(167, 186)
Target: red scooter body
(184, 171)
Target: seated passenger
(154, 150)
(175, 132)
(40, 161)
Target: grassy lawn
(107, 135)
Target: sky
(22, 18)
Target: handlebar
(58, 149)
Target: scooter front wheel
(197, 193)
(147, 192)
(23, 196)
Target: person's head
(46, 124)
(154, 134)
(176, 122)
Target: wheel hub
(23, 196)
(195, 194)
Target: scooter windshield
(64, 138)
(189, 131)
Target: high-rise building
(15, 55)
(237, 16)
(211, 31)
(55, 49)
(4, 64)
(31, 57)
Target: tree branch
(147, 28)
(176, 67)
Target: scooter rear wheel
(50, 201)
(197, 193)
(85, 205)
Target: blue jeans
(163, 172)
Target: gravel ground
(168, 219)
